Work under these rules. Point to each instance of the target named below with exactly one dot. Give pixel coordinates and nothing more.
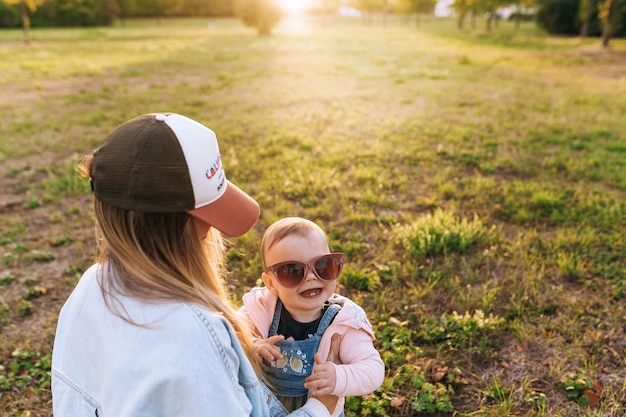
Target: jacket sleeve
(362, 371)
(233, 382)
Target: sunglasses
(291, 273)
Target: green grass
(476, 182)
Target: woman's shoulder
(207, 319)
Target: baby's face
(304, 301)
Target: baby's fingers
(266, 349)
(318, 387)
(266, 354)
(273, 339)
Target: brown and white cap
(168, 163)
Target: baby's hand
(323, 379)
(266, 349)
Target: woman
(148, 330)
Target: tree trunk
(585, 28)
(25, 22)
(605, 16)
(461, 20)
(605, 33)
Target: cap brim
(234, 213)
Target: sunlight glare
(294, 6)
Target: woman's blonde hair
(158, 256)
(284, 227)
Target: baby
(297, 312)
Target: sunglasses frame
(307, 267)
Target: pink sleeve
(258, 310)
(362, 370)
(244, 316)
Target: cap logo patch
(215, 168)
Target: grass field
(476, 182)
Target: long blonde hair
(158, 256)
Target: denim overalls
(286, 376)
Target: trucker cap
(168, 163)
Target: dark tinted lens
(290, 274)
(327, 267)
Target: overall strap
(327, 318)
(274, 327)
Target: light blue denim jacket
(182, 360)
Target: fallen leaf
(40, 290)
(396, 402)
(438, 373)
(597, 387)
(594, 397)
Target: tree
(571, 17)
(520, 6)
(369, 7)
(461, 7)
(604, 14)
(585, 11)
(24, 4)
(126, 9)
(85, 12)
(262, 15)
(158, 8)
(423, 7)
(558, 16)
(487, 8)
(219, 7)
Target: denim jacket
(177, 359)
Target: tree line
(606, 18)
(76, 13)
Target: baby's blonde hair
(287, 226)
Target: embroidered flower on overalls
(296, 364)
(281, 363)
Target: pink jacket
(362, 370)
